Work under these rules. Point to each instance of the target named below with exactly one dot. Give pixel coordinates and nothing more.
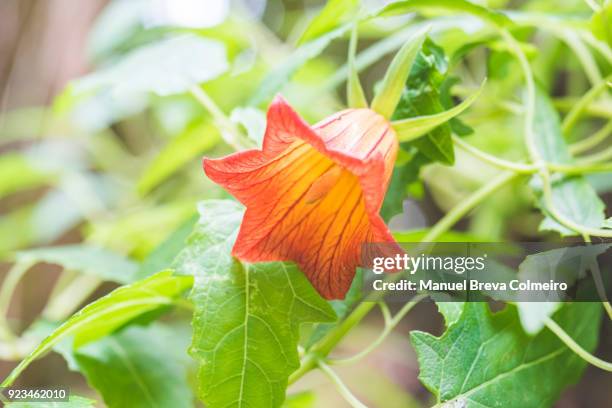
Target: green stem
(341, 387)
(530, 102)
(580, 168)
(574, 114)
(461, 209)
(599, 285)
(582, 53)
(597, 157)
(327, 344)
(495, 161)
(593, 140)
(575, 347)
(524, 168)
(390, 324)
(595, 109)
(229, 131)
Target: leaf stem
(575, 347)
(597, 157)
(390, 324)
(599, 285)
(384, 309)
(341, 387)
(580, 168)
(461, 209)
(574, 114)
(327, 344)
(229, 131)
(522, 168)
(530, 102)
(593, 140)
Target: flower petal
(312, 194)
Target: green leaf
(572, 196)
(252, 120)
(457, 126)
(170, 66)
(409, 6)
(111, 312)
(607, 223)
(280, 75)
(180, 150)
(403, 175)
(421, 96)
(486, 359)
(451, 311)
(331, 16)
(601, 23)
(137, 367)
(427, 92)
(74, 401)
(247, 316)
(388, 95)
(413, 128)
(88, 259)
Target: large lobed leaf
(487, 360)
(247, 316)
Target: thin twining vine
(578, 109)
(340, 386)
(593, 140)
(575, 347)
(389, 324)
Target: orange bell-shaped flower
(312, 194)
